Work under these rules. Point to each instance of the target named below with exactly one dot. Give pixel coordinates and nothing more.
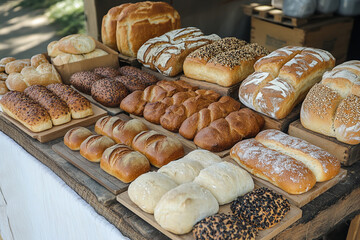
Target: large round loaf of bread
(180, 208)
(147, 190)
(77, 44)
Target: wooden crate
(347, 154)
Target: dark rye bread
(131, 83)
(83, 81)
(79, 106)
(106, 72)
(108, 92)
(25, 110)
(57, 108)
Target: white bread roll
(182, 207)
(96, 53)
(204, 157)
(77, 44)
(53, 49)
(225, 181)
(147, 190)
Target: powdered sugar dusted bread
(283, 78)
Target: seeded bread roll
(79, 106)
(25, 110)
(106, 72)
(138, 74)
(57, 108)
(83, 81)
(108, 92)
(75, 136)
(94, 146)
(131, 83)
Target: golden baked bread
(17, 65)
(65, 58)
(6, 60)
(57, 108)
(283, 78)
(167, 52)
(3, 76)
(124, 163)
(94, 146)
(25, 110)
(98, 52)
(76, 44)
(3, 88)
(158, 148)
(332, 107)
(75, 136)
(225, 62)
(38, 59)
(53, 49)
(106, 124)
(141, 21)
(125, 132)
(79, 106)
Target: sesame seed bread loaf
(108, 92)
(332, 107)
(282, 79)
(225, 62)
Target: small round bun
(3, 88)
(83, 81)
(75, 136)
(262, 208)
(223, 226)
(132, 83)
(108, 92)
(107, 72)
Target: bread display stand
(232, 91)
(60, 130)
(161, 76)
(293, 215)
(126, 60)
(346, 153)
(299, 200)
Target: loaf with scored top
(94, 146)
(75, 136)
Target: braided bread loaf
(220, 109)
(333, 106)
(225, 132)
(282, 79)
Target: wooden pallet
(276, 15)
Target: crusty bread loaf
(223, 133)
(225, 62)
(25, 110)
(98, 52)
(17, 65)
(76, 44)
(2, 68)
(147, 190)
(124, 163)
(125, 132)
(106, 124)
(6, 60)
(57, 108)
(75, 136)
(220, 109)
(3, 88)
(94, 146)
(141, 21)
(225, 181)
(108, 92)
(158, 148)
(323, 165)
(53, 49)
(204, 157)
(3, 76)
(143, 76)
(79, 106)
(38, 59)
(283, 78)
(332, 107)
(181, 207)
(281, 170)
(106, 72)
(167, 52)
(65, 58)
(83, 81)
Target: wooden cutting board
(59, 131)
(346, 153)
(299, 200)
(294, 214)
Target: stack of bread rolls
(282, 79)
(224, 62)
(73, 48)
(168, 52)
(3, 74)
(127, 26)
(332, 107)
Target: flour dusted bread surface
(147, 190)
(17, 65)
(283, 78)
(180, 208)
(332, 107)
(225, 181)
(76, 44)
(204, 157)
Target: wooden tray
(126, 60)
(184, 141)
(59, 131)
(91, 169)
(110, 110)
(294, 214)
(160, 76)
(301, 199)
(232, 91)
(346, 153)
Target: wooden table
(338, 204)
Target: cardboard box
(332, 35)
(110, 60)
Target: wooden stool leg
(354, 229)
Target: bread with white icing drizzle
(332, 107)
(282, 79)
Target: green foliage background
(67, 15)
